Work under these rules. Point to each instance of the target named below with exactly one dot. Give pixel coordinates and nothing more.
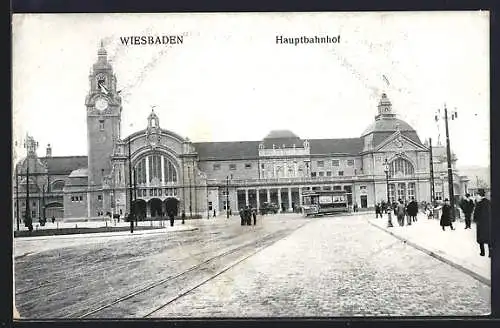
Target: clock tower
(103, 105)
(385, 108)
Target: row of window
(23, 204)
(232, 167)
(335, 162)
(76, 198)
(401, 191)
(327, 174)
(156, 192)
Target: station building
(160, 170)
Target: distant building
(169, 172)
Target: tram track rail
(108, 269)
(202, 269)
(93, 271)
(49, 300)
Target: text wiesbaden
(280, 39)
(151, 40)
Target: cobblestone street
(337, 267)
(332, 266)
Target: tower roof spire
(101, 53)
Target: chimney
(49, 151)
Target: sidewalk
(32, 245)
(456, 247)
(97, 224)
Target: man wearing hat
(482, 218)
(467, 207)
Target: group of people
(401, 210)
(477, 210)
(246, 215)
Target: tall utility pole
(27, 209)
(431, 165)
(130, 179)
(17, 199)
(190, 194)
(135, 196)
(450, 172)
(43, 202)
(227, 197)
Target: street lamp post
(190, 194)
(386, 170)
(131, 215)
(431, 166)
(227, 197)
(17, 199)
(208, 208)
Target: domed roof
(388, 124)
(281, 134)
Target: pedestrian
(378, 211)
(254, 213)
(183, 216)
(446, 215)
(53, 219)
(467, 206)
(171, 215)
(131, 220)
(389, 217)
(214, 212)
(242, 216)
(400, 213)
(482, 218)
(355, 207)
(412, 210)
(248, 215)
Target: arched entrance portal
(172, 206)
(139, 208)
(55, 210)
(155, 206)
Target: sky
(231, 81)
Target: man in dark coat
(446, 215)
(482, 217)
(254, 214)
(248, 215)
(412, 210)
(171, 215)
(378, 210)
(467, 206)
(242, 216)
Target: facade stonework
(165, 172)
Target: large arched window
(401, 166)
(170, 172)
(57, 185)
(154, 169)
(140, 171)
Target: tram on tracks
(324, 202)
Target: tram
(324, 202)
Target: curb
(441, 258)
(105, 234)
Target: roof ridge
(68, 156)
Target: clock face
(101, 103)
(101, 78)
